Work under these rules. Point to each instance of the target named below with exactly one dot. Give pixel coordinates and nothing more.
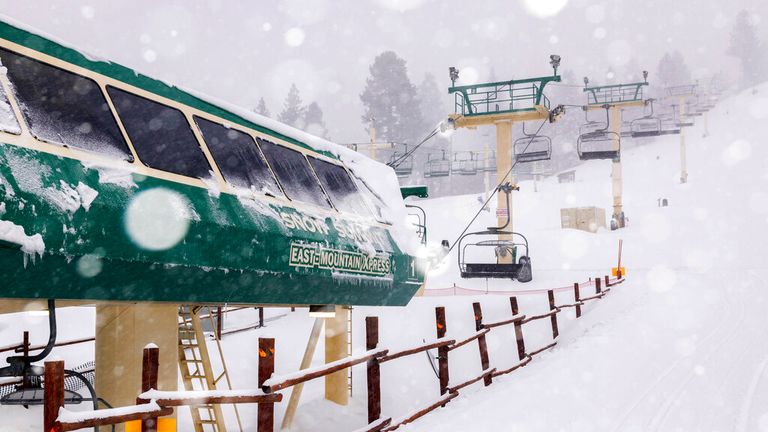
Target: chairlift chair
(532, 147)
(402, 162)
(626, 126)
(504, 249)
(647, 125)
(681, 121)
(597, 142)
(692, 109)
(420, 222)
(437, 166)
(464, 163)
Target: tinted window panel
(64, 108)
(339, 185)
(238, 157)
(160, 134)
(294, 173)
(8, 122)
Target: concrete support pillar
(336, 340)
(122, 331)
(503, 164)
(616, 178)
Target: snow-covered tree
(261, 108)
(431, 102)
(672, 70)
(293, 109)
(746, 46)
(313, 121)
(391, 100)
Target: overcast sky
(242, 50)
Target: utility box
(566, 177)
(583, 218)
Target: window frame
(27, 140)
(371, 214)
(250, 135)
(204, 151)
(67, 68)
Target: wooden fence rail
(152, 404)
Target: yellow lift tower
(501, 104)
(681, 97)
(602, 139)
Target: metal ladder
(348, 310)
(197, 370)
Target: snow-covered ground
(677, 347)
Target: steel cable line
(395, 163)
(495, 190)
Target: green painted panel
(230, 249)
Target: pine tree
(293, 109)
(672, 70)
(747, 48)
(431, 102)
(391, 100)
(313, 121)
(261, 108)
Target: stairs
(197, 371)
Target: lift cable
(495, 190)
(395, 163)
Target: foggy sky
(242, 50)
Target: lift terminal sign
(319, 256)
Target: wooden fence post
(266, 411)
(442, 352)
(518, 329)
(607, 281)
(481, 343)
(53, 394)
(598, 290)
(373, 369)
(261, 316)
(553, 317)
(150, 364)
(577, 298)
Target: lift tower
(680, 96)
(501, 104)
(614, 98)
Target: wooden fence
(152, 404)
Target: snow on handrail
(200, 397)
(280, 382)
(375, 426)
(482, 332)
(414, 415)
(417, 349)
(74, 420)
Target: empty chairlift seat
(495, 253)
(596, 141)
(402, 162)
(532, 148)
(437, 166)
(649, 125)
(464, 163)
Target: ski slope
(676, 348)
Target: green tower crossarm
(501, 97)
(615, 93)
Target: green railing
(682, 90)
(501, 97)
(615, 93)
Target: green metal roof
(131, 77)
